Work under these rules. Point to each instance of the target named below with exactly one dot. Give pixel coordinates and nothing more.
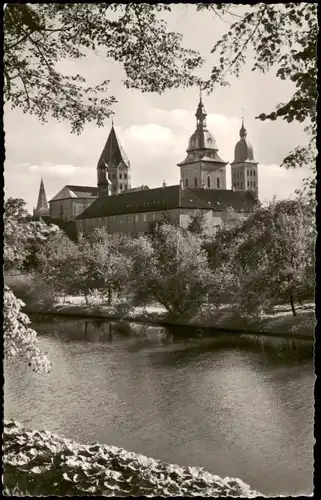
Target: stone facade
(134, 224)
(71, 201)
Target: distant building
(118, 207)
(134, 213)
(202, 188)
(71, 201)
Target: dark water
(238, 406)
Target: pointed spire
(201, 113)
(42, 204)
(113, 152)
(243, 131)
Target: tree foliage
(23, 237)
(106, 266)
(173, 271)
(59, 264)
(38, 37)
(282, 37)
(19, 339)
(270, 256)
(197, 223)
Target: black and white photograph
(159, 249)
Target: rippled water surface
(235, 408)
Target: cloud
(278, 181)
(55, 170)
(151, 135)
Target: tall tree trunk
(292, 305)
(109, 296)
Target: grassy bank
(42, 463)
(280, 321)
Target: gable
(63, 193)
(76, 192)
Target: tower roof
(243, 150)
(201, 138)
(202, 145)
(113, 152)
(201, 111)
(42, 204)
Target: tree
(280, 36)
(275, 259)
(59, 264)
(267, 258)
(22, 237)
(38, 36)
(16, 208)
(19, 339)
(197, 223)
(105, 267)
(173, 271)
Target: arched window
(186, 183)
(120, 176)
(195, 182)
(120, 186)
(218, 183)
(208, 181)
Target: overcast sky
(153, 129)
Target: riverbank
(42, 463)
(279, 322)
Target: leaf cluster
(38, 37)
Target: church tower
(244, 167)
(202, 167)
(113, 168)
(42, 207)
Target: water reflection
(231, 404)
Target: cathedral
(116, 206)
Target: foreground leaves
(19, 339)
(42, 463)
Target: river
(237, 406)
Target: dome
(201, 139)
(201, 145)
(243, 151)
